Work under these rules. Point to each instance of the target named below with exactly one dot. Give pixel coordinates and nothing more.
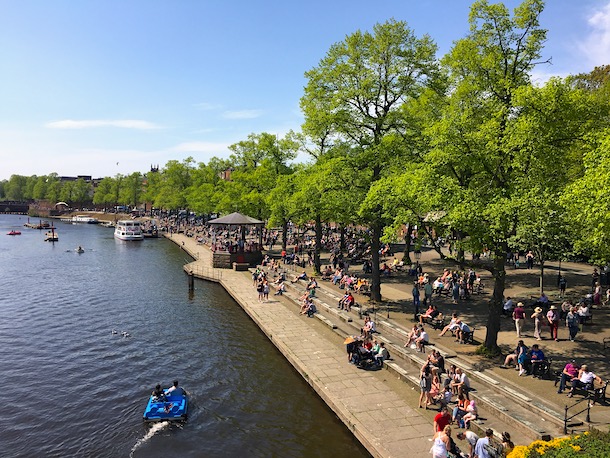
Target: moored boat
(84, 219)
(128, 230)
(14, 232)
(51, 236)
(170, 408)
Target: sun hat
(553, 307)
(538, 309)
(519, 304)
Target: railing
(567, 418)
(207, 273)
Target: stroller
(363, 360)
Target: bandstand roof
(236, 219)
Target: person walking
(553, 318)
(519, 317)
(537, 316)
(572, 322)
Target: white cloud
(243, 114)
(93, 123)
(596, 47)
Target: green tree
(53, 188)
(66, 193)
(175, 180)
(15, 188)
(502, 144)
(257, 163)
(474, 145)
(589, 203)
(104, 194)
(356, 94)
(542, 228)
(30, 183)
(132, 189)
(82, 192)
(40, 188)
(202, 195)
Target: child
(445, 397)
(471, 414)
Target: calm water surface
(72, 388)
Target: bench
(241, 266)
(436, 323)
(469, 336)
(595, 394)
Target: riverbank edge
(369, 441)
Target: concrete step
(503, 407)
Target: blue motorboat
(167, 408)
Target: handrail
(207, 273)
(566, 418)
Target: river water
(73, 388)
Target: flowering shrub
(590, 444)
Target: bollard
(191, 281)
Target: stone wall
(224, 260)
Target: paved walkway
(380, 417)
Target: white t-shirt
(471, 437)
(587, 377)
(423, 336)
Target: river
(73, 388)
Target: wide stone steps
(502, 407)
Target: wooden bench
(240, 266)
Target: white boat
(84, 219)
(128, 230)
(51, 236)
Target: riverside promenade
(527, 408)
(377, 412)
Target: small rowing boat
(14, 232)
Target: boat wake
(155, 428)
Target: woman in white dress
(441, 443)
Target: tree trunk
(318, 248)
(407, 252)
(375, 274)
(285, 235)
(495, 305)
(541, 277)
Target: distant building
(226, 174)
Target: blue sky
(100, 87)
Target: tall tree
(356, 93)
(132, 189)
(501, 142)
(175, 180)
(103, 194)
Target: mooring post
(191, 281)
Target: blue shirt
(537, 355)
(479, 449)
